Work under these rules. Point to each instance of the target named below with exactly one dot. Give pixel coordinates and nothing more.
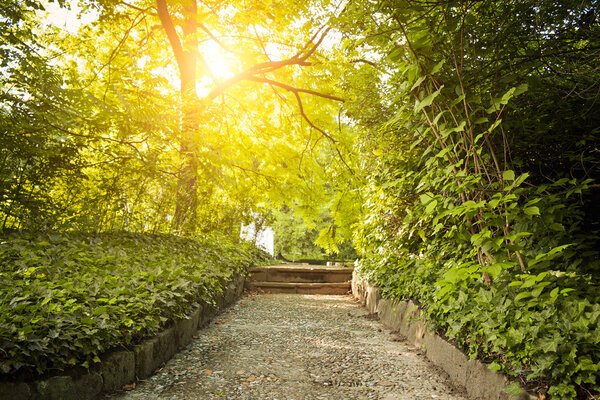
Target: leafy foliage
(295, 239)
(67, 298)
(464, 162)
(91, 119)
(464, 211)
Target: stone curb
(480, 382)
(119, 368)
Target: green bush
(481, 176)
(502, 270)
(66, 298)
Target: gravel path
(296, 347)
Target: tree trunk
(186, 55)
(184, 220)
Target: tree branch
(167, 23)
(213, 37)
(365, 61)
(262, 68)
(261, 43)
(246, 171)
(293, 89)
(325, 134)
(316, 45)
(114, 52)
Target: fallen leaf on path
(208, 372)
(129, 387)
(386, 383)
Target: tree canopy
(179, 117)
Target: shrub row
(67, 298)
(538, 322)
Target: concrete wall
(123, 367)
(404, 317)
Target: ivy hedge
(481, 170)
(538, 322)
(68, 297)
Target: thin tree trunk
(186, 55)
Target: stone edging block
(116, 368)
(119, 368)
(404, 317)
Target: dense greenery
(481, 164)
(67, 298)
(152, 118)
(455, 141)
(295, 239)
(97, 133)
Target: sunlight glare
(220, 64)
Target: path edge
(404, 317)
(124, 367)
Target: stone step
(301, 273)
(300, 287)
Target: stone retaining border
(480, 382)
(122, 367)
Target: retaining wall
(480, 382)
(119, 368)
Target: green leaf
(460, 127)
(437, 67)
(419, 105)
(512, 389)
(548, 345)
(522, 295)
(494, 366)
(426, 198)
(521, 179)
(533, 210)
(396, 54)
(506, 97)
(522, 88)
(508, 175)
(431, 206)
(418, 82)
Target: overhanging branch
(294, 89)
(325, 134)
(300, 58)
